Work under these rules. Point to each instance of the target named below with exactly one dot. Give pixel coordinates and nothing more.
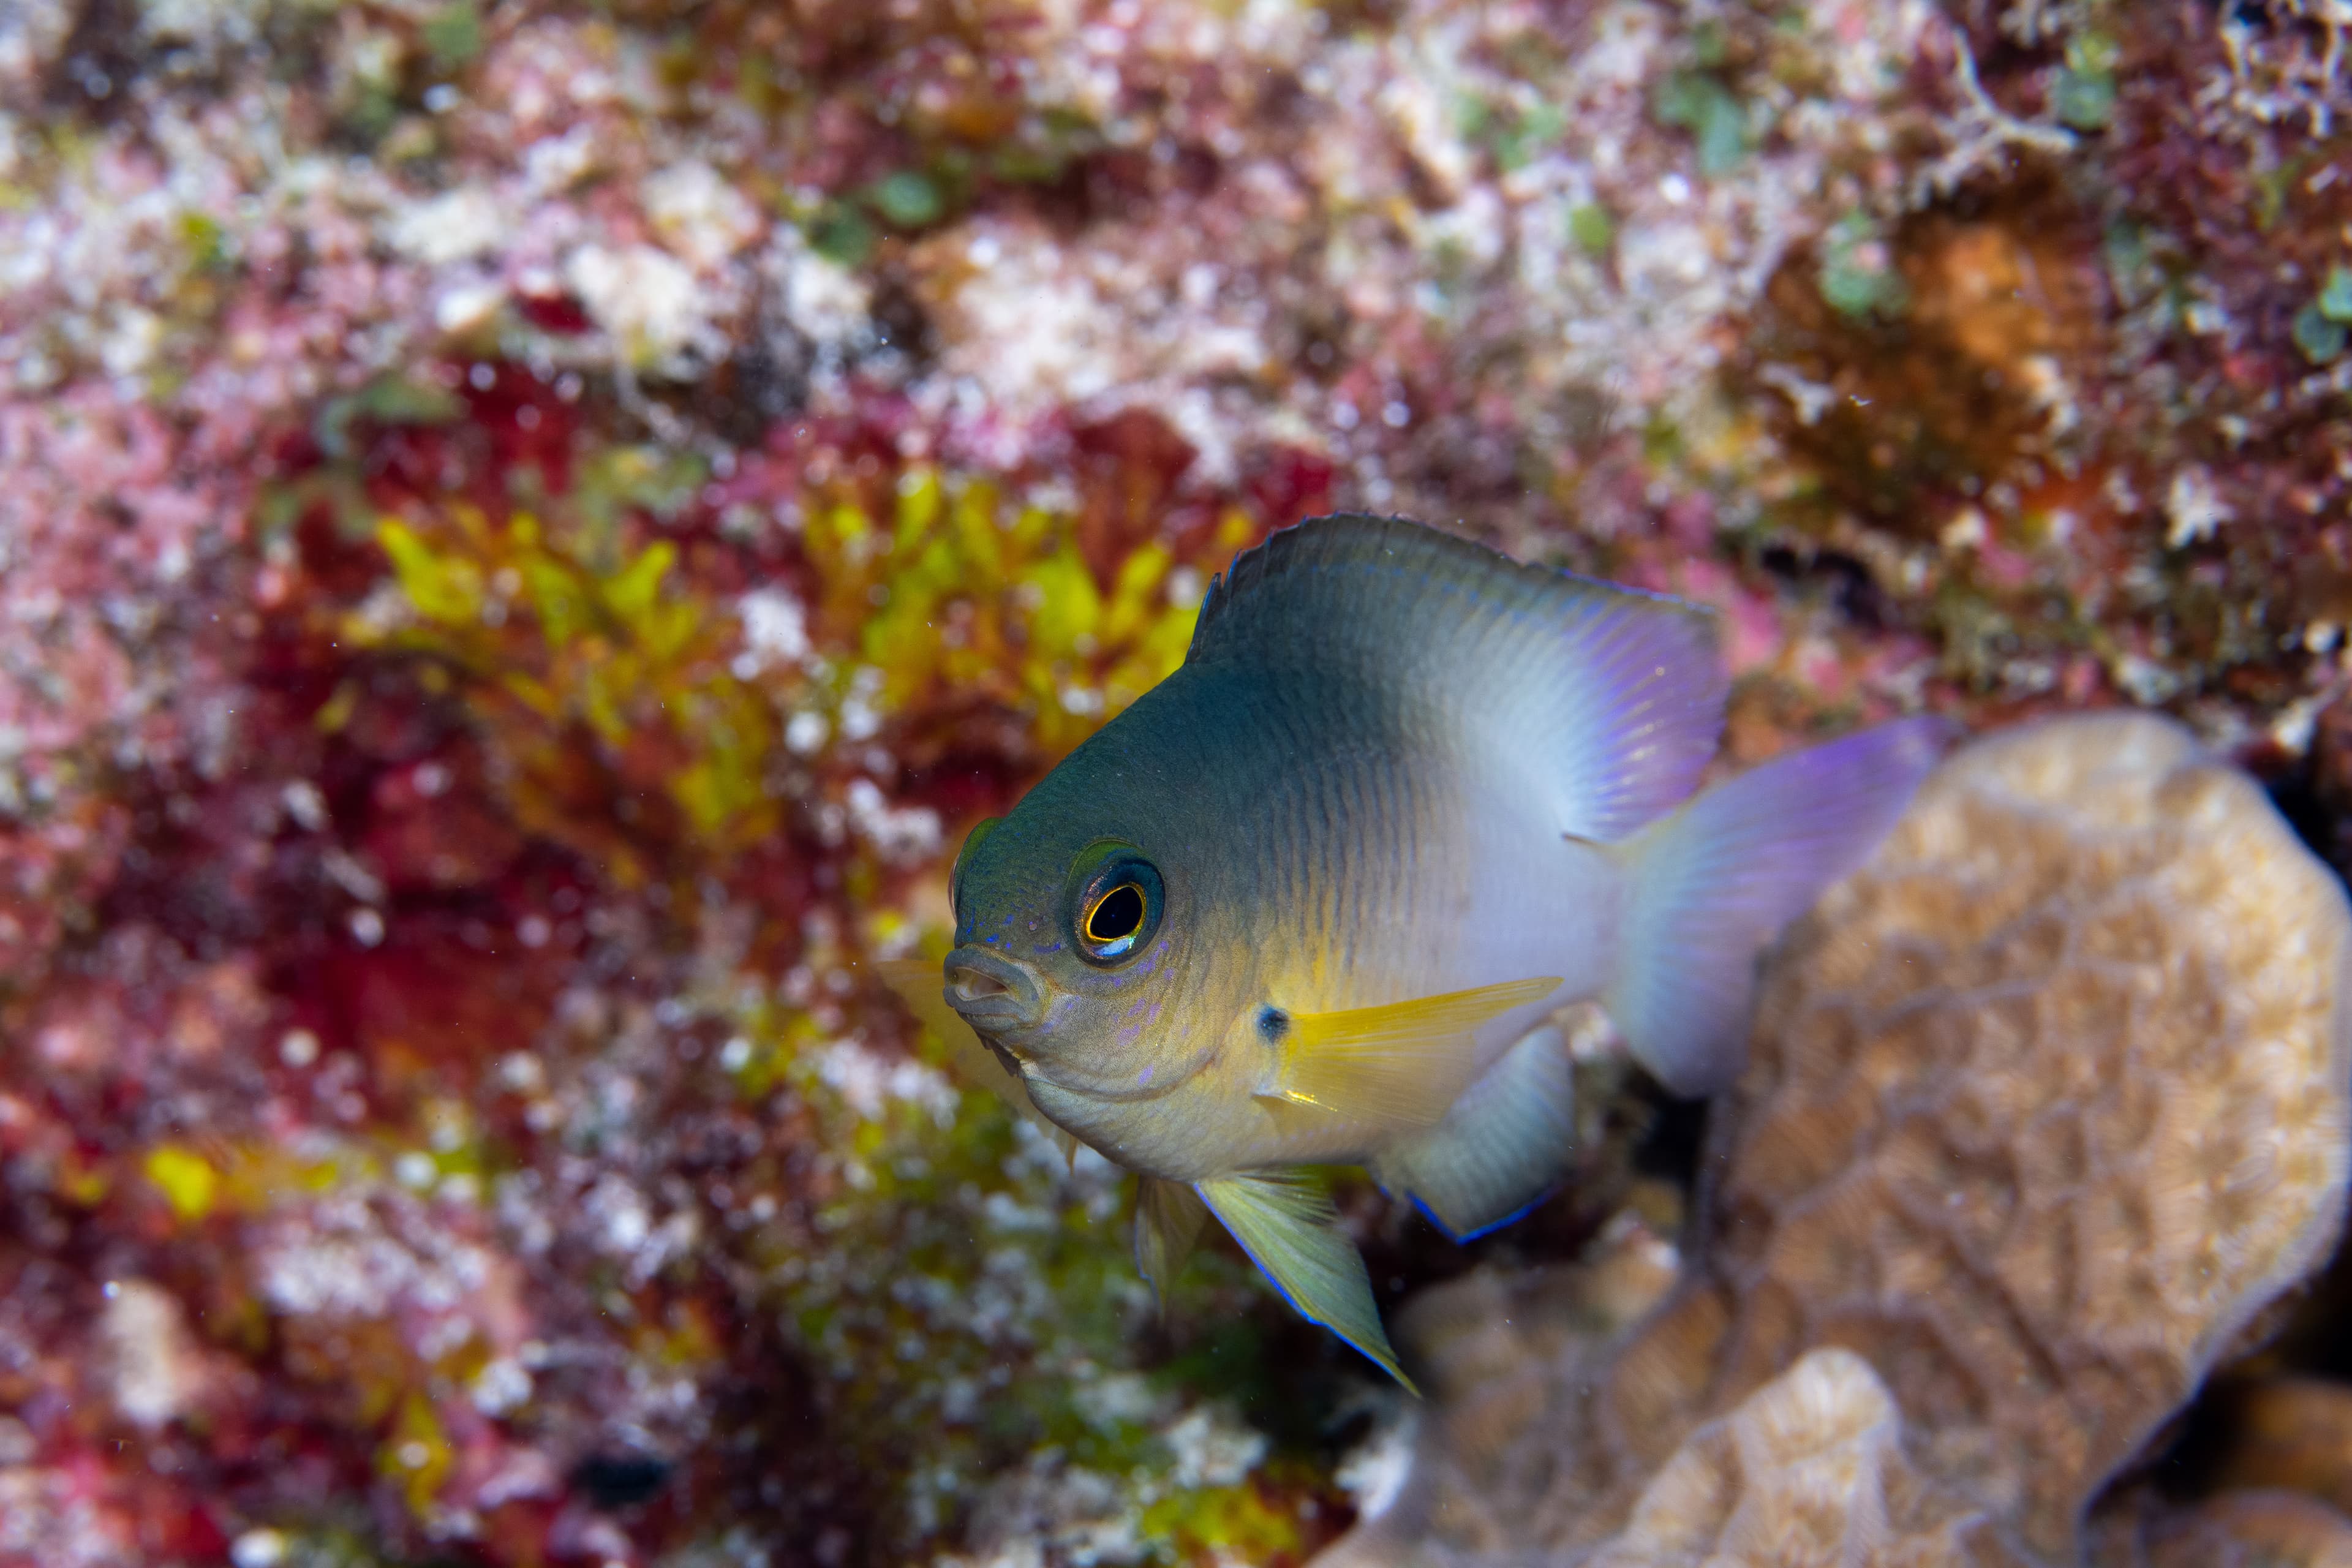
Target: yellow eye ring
(1115, 905)
(1114, 920)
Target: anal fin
(1397, 1065)
(1287, 1225)
(922, 986)
(1167, 1217)
(1500, 1150)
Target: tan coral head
(2045, 1105)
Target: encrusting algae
(448, 1111)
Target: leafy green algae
(965, 1302)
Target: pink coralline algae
(527, 535)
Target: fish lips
(1001, 1000)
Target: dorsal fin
(1619, 692)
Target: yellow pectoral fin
(1397, 1065)
(919, 984)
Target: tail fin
(1710, 885)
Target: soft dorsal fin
(919, 984)
(1618, 694)
(1287, 1225)
(1398, 1065)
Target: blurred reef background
(528, 534)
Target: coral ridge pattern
(2045, 1106)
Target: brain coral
(2046, 1104)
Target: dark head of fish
(1080, 914)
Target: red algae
(526, 539)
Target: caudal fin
(1710, 885)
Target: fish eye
(972, 841)
(1118, 904)
(1117, 918)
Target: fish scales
(1311, 899)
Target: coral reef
(528, 532)
(2046, 1105)
(2293, 1434)
(2250, 1528)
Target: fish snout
(994, 993)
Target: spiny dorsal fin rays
(1287, 1224)
(920, 985)
(1398, 1065)
(1615, 694)
(1167, 1217)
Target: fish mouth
(993, 994)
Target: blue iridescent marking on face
(1143, 1079)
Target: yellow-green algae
(590, 667)
(968, 1300)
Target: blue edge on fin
(1491, 1226)
(1288, 1300)
(1291, 1301)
